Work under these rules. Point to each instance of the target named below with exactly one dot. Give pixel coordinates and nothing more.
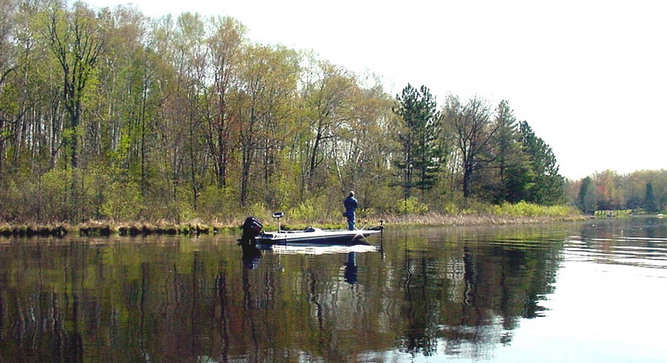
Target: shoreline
(479, 220)
(133, 229)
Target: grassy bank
(435, 219)
(520, 213)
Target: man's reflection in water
(351, 268)
(251, 254)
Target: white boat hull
(314, 236)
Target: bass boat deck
(315, 236)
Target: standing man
(350, 205)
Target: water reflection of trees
(470, 296)
(175, 299)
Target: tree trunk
(245, 173)
(143, 140)
(313, 159)
(75, 139)
(467, 180)
(2, 146)
(221, 161)
(192, 160)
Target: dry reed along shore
(92, 229)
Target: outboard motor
(251, 229)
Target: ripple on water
(648, 252)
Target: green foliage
(365, 212)
(475, 207)
(520, 181)
(115, 117)
(520, 209)
(625, 213)
(54, 195)
(180, 211)
(513, 173)
(450, 209)
(586, 201)
(9, 97)
(418, 137)
(282, 191)
(411, 206)
(525, 209)
(259, 210)
(46, 198)
(122, 201)
(548, 183)
(304, 212)
(650, 203)
(216, 202)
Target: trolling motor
(252, 227)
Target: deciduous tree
(77, 41)
(225, 47)
(472, 131)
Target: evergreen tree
(548, 184)
(505, 136)
(420, 129)
(519, 180)
(650, 203)
(586, 198)
(515, 176)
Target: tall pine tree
(515, 176)
(650, 203)
(548, 184)
(420, 127)
(586, 200)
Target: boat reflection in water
(252, 252)
(317, 248)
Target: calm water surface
(593, 292)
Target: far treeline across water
(644, 190)
(109, 114)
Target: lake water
(593, 292)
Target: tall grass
(525, 209)
(621, 213)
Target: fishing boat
(252, 229)
(314, 235)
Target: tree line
(106, 113)
(644, 190)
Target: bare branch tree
(472, 129)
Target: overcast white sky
(589, 76)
